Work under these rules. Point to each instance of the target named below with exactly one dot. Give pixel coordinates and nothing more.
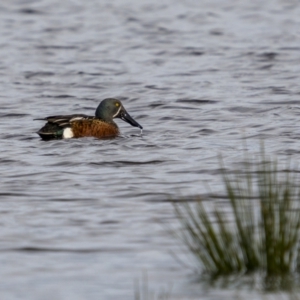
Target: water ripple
(80, 216)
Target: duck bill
(124, 115)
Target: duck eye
(117, 104)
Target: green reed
(260, 232)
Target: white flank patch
(68, 133)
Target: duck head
(111, 108)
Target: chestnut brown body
(95, 128)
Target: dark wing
(65, 120)
(55, 125)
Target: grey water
(86, 218)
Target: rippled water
(84, 218)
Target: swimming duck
(80, 125)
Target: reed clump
(260, 229)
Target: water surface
(84, 218)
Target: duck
(99, 126)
